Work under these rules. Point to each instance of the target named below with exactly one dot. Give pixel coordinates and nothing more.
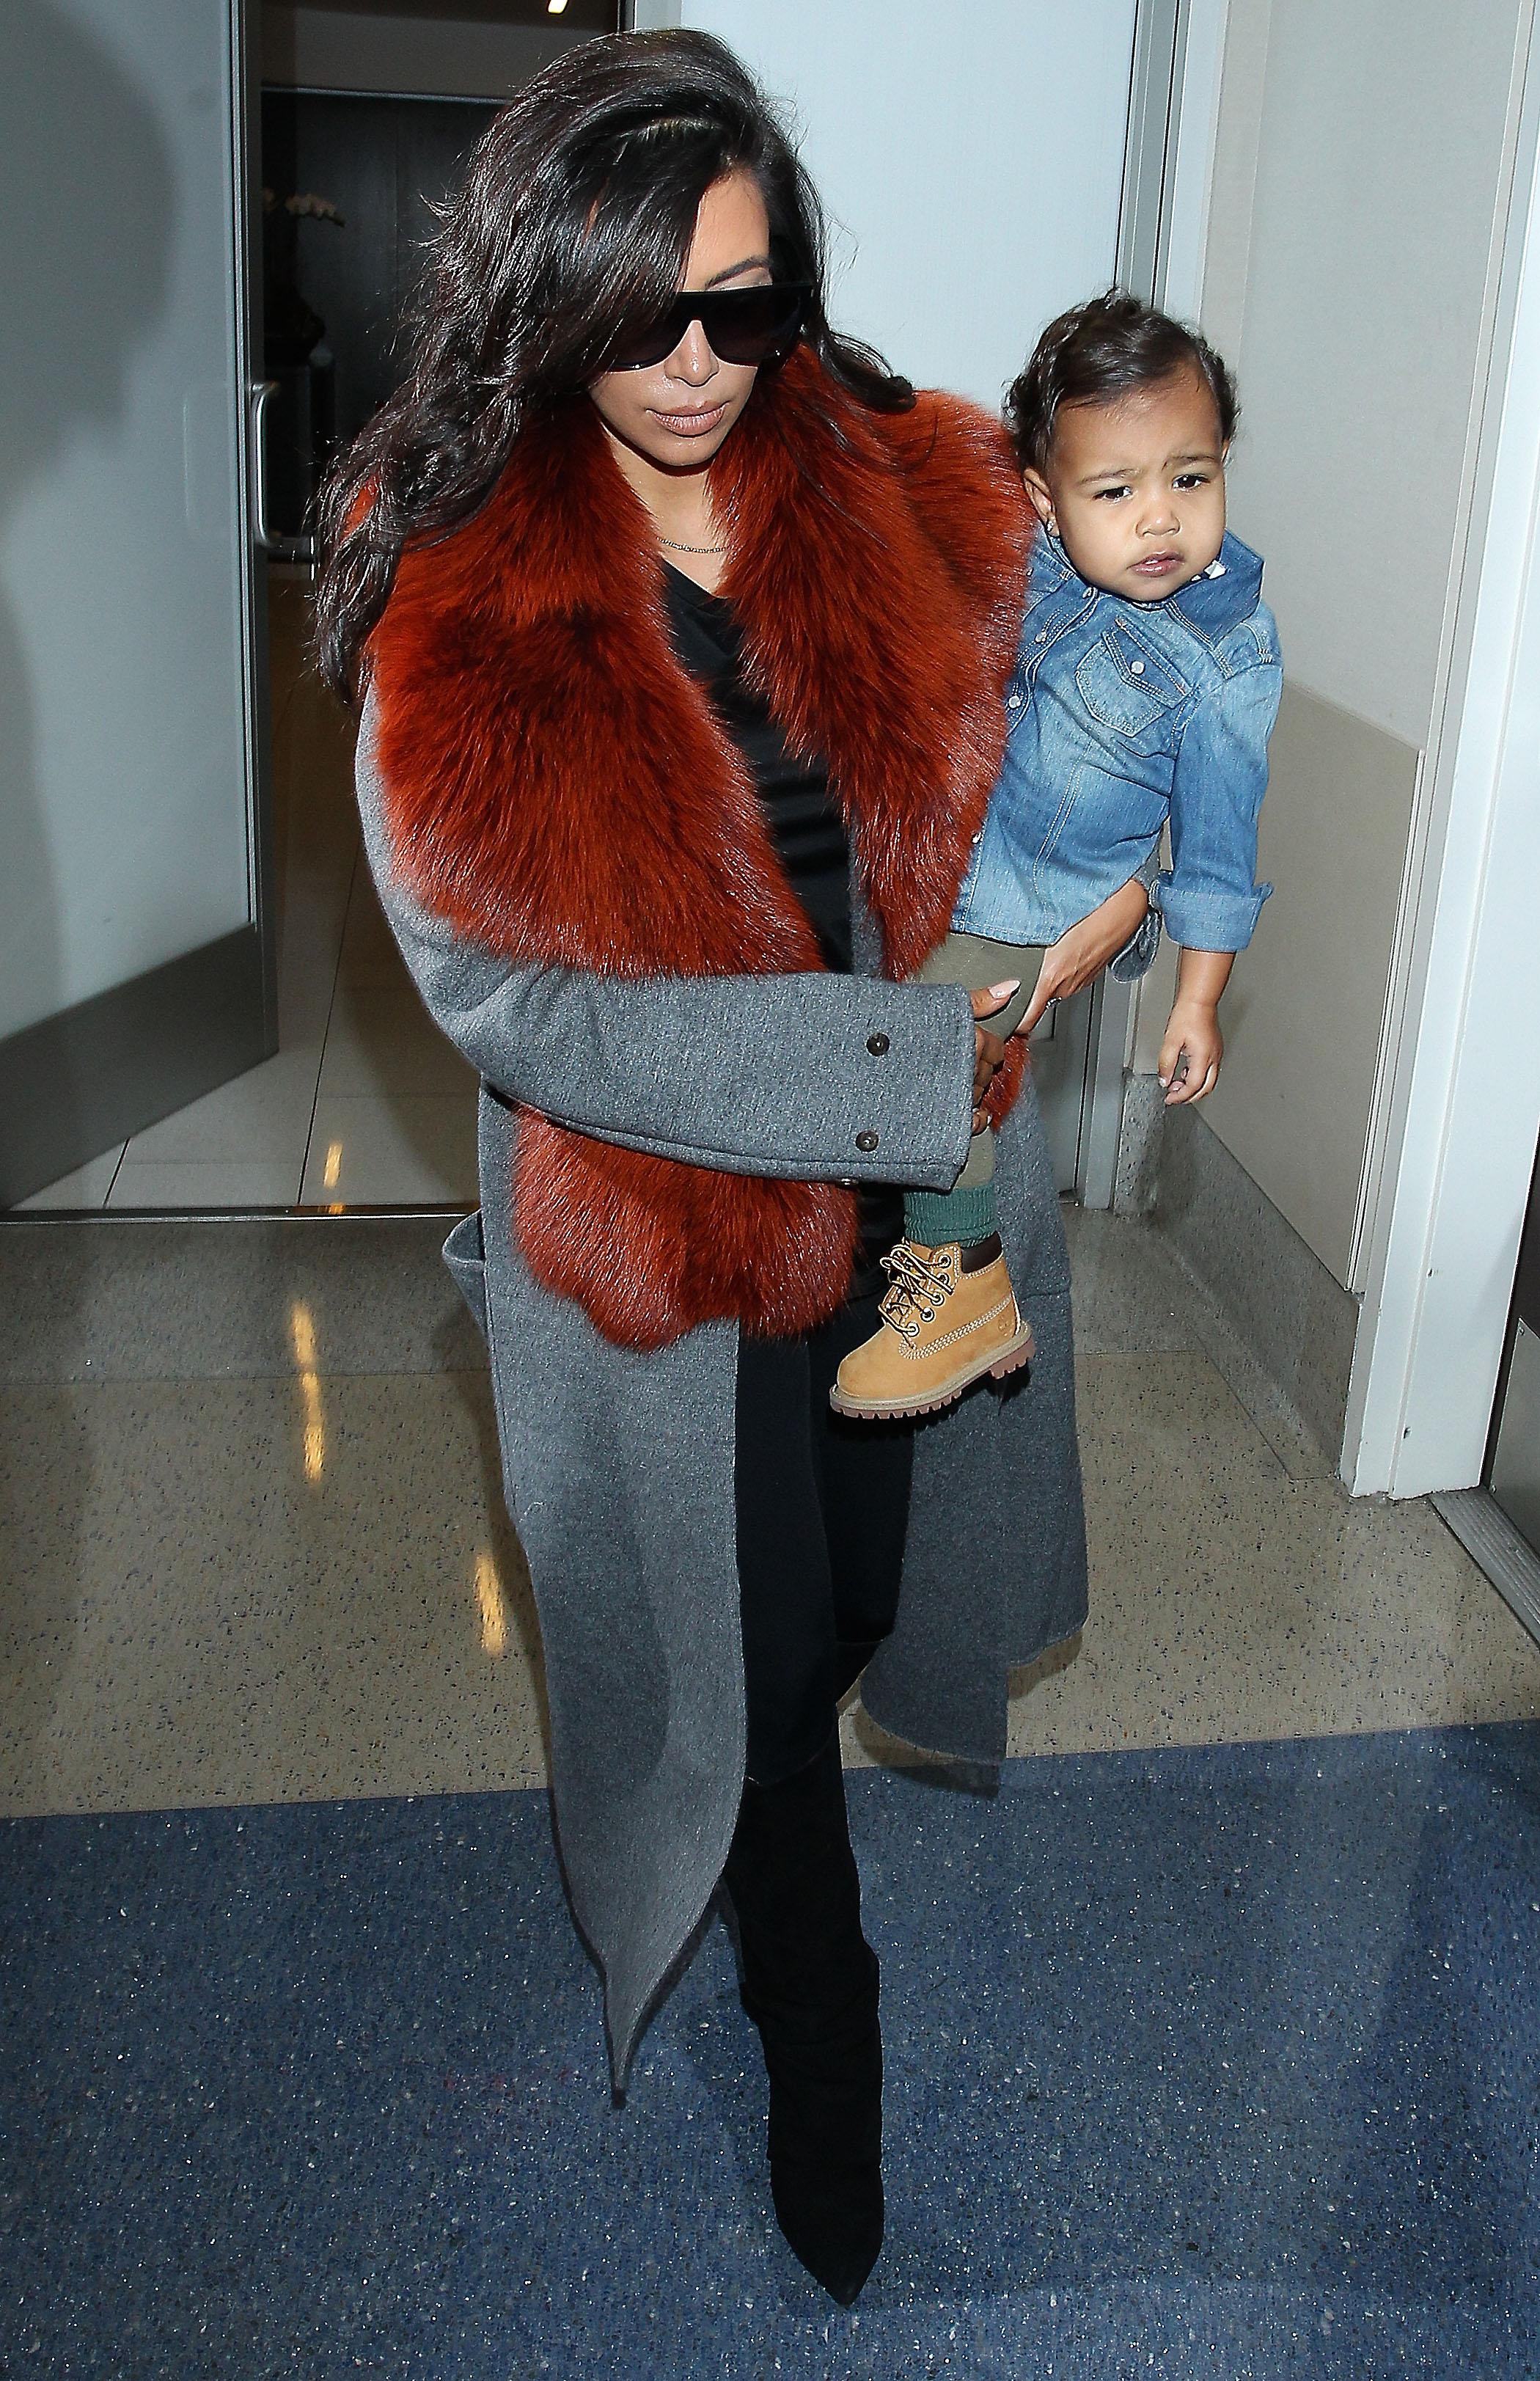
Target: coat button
(877, 1044)
(867, 1140)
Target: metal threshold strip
(359, 1212)
(1496, 1546)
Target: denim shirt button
(1137, 667)
(1013, 702)
(1042, 636)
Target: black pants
(822, 1512)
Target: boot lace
(920, 1282)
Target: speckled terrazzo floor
(299, 2060)
(255, 1546)
(1210, 2062)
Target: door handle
(271, 540)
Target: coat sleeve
(811, 1078)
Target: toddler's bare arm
(1192, 1050)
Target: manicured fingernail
(1000, 990)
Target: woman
(683, 631)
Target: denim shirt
(1124, 717)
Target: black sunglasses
(741, 326)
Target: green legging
(966, 1212)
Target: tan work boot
(951, 1315)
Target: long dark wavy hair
(570, 234)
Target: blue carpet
(1220, 2063)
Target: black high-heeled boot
(810, 1985)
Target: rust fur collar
(559, 790)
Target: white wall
(122, 794)
(1358, 171)
(1464, 1097)
(972, 162)
(1372, 224)
(331, 49)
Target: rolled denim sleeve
(1138, 954)
(1209, 898)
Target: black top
(803, 817)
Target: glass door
(136, 968)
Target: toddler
(1143, 695)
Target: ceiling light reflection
(494, 1607)
(302, 1332)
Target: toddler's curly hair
(1099, 352)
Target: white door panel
(971, 159)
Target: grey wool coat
(618, 1462)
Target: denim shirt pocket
(1127, 686)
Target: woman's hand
(1077, 957)
(988, 1050)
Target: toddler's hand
(1191, 1054)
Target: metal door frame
(246, 88)
(1168, 161)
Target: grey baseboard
(1496, 1547)
(1298, 1321)
(79, 1082)
(1136, 1186)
